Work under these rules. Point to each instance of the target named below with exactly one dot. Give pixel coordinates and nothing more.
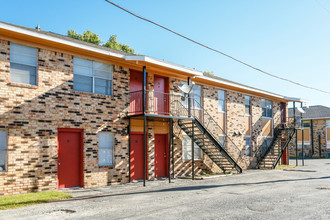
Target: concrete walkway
(299, 193)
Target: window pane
(327, 123)
(221, 94)
(23, 55)
(105, 157)
(106, 146)
(83, 83)
(102, 70)
(222, 140)
(82, 67)
(186, 149)
(23, 74)
(248, 146)
(3, 140)
(102, 86)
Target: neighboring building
(316, 131)
(74, 114)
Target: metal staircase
(269, 156)
(206, 136)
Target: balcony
(157, 104)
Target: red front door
(161, 155)
(136, 87)
(69, 158)
(161, 98)
(136, 154)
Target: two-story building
(75, 114)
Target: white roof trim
(242, 87)
(296, 99)
(63, 41)
(164, 63)
(315, 118)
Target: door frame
(167, 91)
(130, 148)
(166, 151)
(81, 155)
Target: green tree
(91, 37)
(211, 73)
(88, 36)
(114, 44)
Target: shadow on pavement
(187, 188)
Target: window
(247, 105)
(92, 77)
(267, 141)
(222, 140)
(23, 64)
(306, 124)
(267, 108)
(3, 150)
(248, 149)
(221, 101)
(106, 147)
(196, 94)
(327, 123)
(186, 149)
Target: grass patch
(281, 167)
(16, 201)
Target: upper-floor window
(267, 108)
(3, 150)
(327, 123)
(306, 124)
(247, 102)
(92, 77)
(23, 64)
(221, 101)
(196, 95)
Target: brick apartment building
(75, 114)
(315, 124)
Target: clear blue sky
(287, 38)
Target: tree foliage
(211, 73)
(91, 37)
(87, 36)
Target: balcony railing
(157, 103)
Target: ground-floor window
(106, 147)
(266, 143)
(3, 150)
(186, 149)
(248, 148)
(222, 140)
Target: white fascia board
(315, 118)
(58, 40)
(296, 99)
(242, 87)
(164, 64)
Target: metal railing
(157, 103)
(212, 126)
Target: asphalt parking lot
(299, 193)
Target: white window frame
(250, 107)
(327, 142)
(113, 149)
(267, 100)
(307, 144)
(94, 77)
(12, 62)
(248, 136)
(5, 151)
(196, 158)
(225, 136)
(224, 101)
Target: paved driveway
(300, 193)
